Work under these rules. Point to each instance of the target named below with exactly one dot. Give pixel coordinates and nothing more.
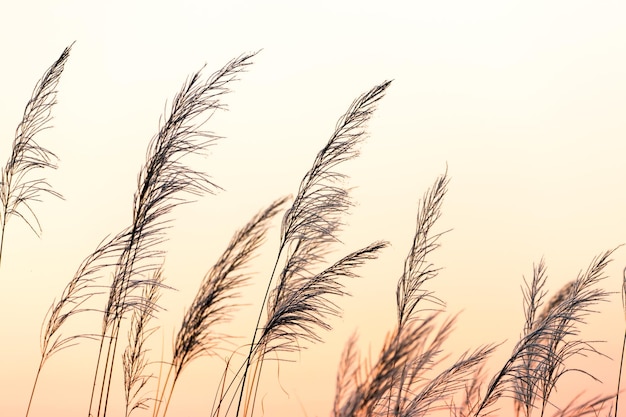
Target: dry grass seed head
(27, 155)
(417, 269)
(134, 358)
(220, 285)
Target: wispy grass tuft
(397, 384)
(17, 190)
(552, 340)
(135, 359)
(371, 387)
(81, 288)
(211, 304)
(161, 182)
(309, 226)
(525, 387)
(417, 268)
(303, 306)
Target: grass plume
(552, 340)
(134, 359)
(210, 306)
(417, 268)
(161, 181)
(308, 227)
(17, 190)
(80, 288)
(395, 385)
(524, 381)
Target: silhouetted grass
(17, 189)
(412, 374)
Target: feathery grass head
(17, 190)
(134, 359)
(398, 383)
(162, 184)
(314, 218)
(417, 269)
(298, 302)
(437, 392)
(303, 306)
(348, 373)
(552, 341)
(211, 303)
(81, 287)
(372, 386)
(524, 383)
(164, 176)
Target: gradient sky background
(523, 100)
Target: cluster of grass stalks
(411, 376)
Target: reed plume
(471, 394)
(134, 359)
(348, 373)
(405, 352)
(524, 382)
(313, 221)
(304, 306)
(210, 306)
(590, 407)
(396, 385)
(438, 390)
(372, 385)
(161, 181)
(552, 341)
(81, 288)
(17, 190)
(309, 226)
(410, 292)
(417, 268)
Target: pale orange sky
(523, 100)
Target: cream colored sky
(523, 100)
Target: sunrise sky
(522, 101)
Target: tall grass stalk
(161, 181)
(621, 358)
(525, 387)
(211, 304)
(309, 226)
(417, 267)
(134, 359)
(396, 384)
(410, 292)
(81, 288)
(17, 190)
(552, 340)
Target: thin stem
(256, 328)
(162, 396)
(619, 375)
(32, 392)
(621, 363)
